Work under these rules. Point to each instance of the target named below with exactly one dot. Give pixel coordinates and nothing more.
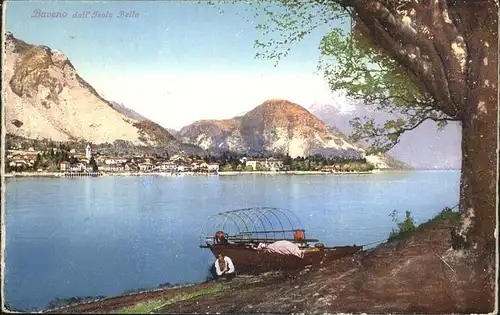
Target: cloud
(175, 101)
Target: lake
(68, 237)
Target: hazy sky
(175, 63)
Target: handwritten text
(37, 13)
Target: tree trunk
(478, 182)
(480, 137)
(475, 232)
(478, 227)
(450, 50)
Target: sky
(174, 62)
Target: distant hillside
(424, 148)
(127, 111)
(173, 132)
(46, 98)
(275, 126)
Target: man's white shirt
(229, 264)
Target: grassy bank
(407, 226)
(152, 305)
(413, 274)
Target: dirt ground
(418, 274)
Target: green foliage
(226, 168)
(359, 167)
(446, 214)
(287, 22)
(38, 161)
(404, 227)
(350, 63)
(260, 168)
(93, 164)
(408, 224)
(317, 161)
(149, 306)
(51, 160)
(142, 308)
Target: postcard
(249, 157)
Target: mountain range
(426, 147)
(46, 98)
(278, 126)
(120, 107)
(274, 126)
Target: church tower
(88, 152)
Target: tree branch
(407, 46)
(384, 138)
(403, 130)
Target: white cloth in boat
(229, 265)
(282, 247)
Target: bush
(446, 214)
(405, 227)
(227, 168)
(408, 225)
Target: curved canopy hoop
(259, 223)
(272, 211)
(238, 215)
(251, 213)
(291, 226)
(270, 223)
(250, 220)
(228, 216)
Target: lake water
(102, 236)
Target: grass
(149, 306)
(142, 308)
(404, 228)
(445, 214)
(407, 226)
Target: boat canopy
(253, 226)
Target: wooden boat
(238, 233)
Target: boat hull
(251, 261)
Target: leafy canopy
(349, 62)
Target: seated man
(224, 267)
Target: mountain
(46, 98)
(426, 147)
(173, 132)
(130, 113)
(275, 126)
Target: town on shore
(62, 160)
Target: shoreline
(32, 174)
(248, 293)
(233, 173)
(230, 173)
(227, 173)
